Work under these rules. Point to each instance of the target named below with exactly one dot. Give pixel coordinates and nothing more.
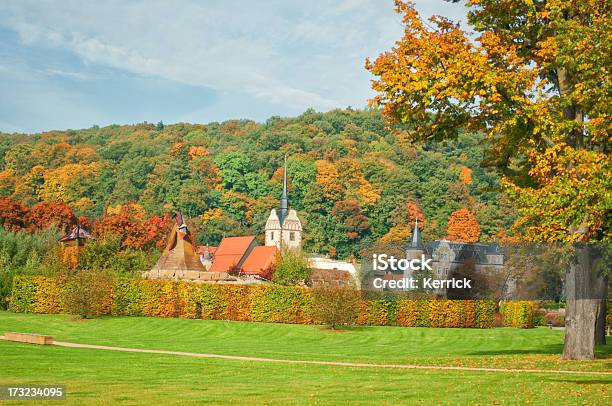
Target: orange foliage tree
(463, 226)
(134, 228)
(45, 214)
(414, 212)
(355, 183)
(400, 232)
(465, 175)
(12, 214)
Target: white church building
(284, 229)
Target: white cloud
(295, 54)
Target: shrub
(127, 297)
(407, 313)
(86, 293)
(107, 254)
(93, 292)
(22, 253)
(373, 313)
(281, 304)
(539, 318)
(336, 306)
(445, 313)
(23, 296)
(48, 296)
(518, 314)
(556, 318)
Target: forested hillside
(351, 180)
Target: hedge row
(518, 314)
(263, 303)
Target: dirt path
(331, 363)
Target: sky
(68, 64)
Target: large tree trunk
(600, 323)
(582, 307)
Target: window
(272, 235)
(292, 236)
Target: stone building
(283, 228)
(450, 256)
(332, 272)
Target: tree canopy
(351, 179)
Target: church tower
(414, 249)
(285, 228)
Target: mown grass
(106, 377)
(103, 377)
(501, 347)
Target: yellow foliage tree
(329, 179)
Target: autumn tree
(465, 175)
(72, 183)
(536, 80)
(463, 226)
(46, 214)
(335, 305)
(291, 268)
(414, 213)
(134, 228)
(329, 179)
(402, 231)
(353, 181)
(12, 214)
(85, 292)
(350, 214)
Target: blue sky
(72, 64)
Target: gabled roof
(77, 232)
(467, 251)
(231, 252)
(260, 260)
(203, 248)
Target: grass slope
(502, 347)
(101, 377)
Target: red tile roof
(230, 253)
(260, 261)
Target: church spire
(416, 238)
(284, 201)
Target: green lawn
(101, 376)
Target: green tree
(291, 269)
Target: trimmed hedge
(518, 314)
(260, 303)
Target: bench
(29, 338)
